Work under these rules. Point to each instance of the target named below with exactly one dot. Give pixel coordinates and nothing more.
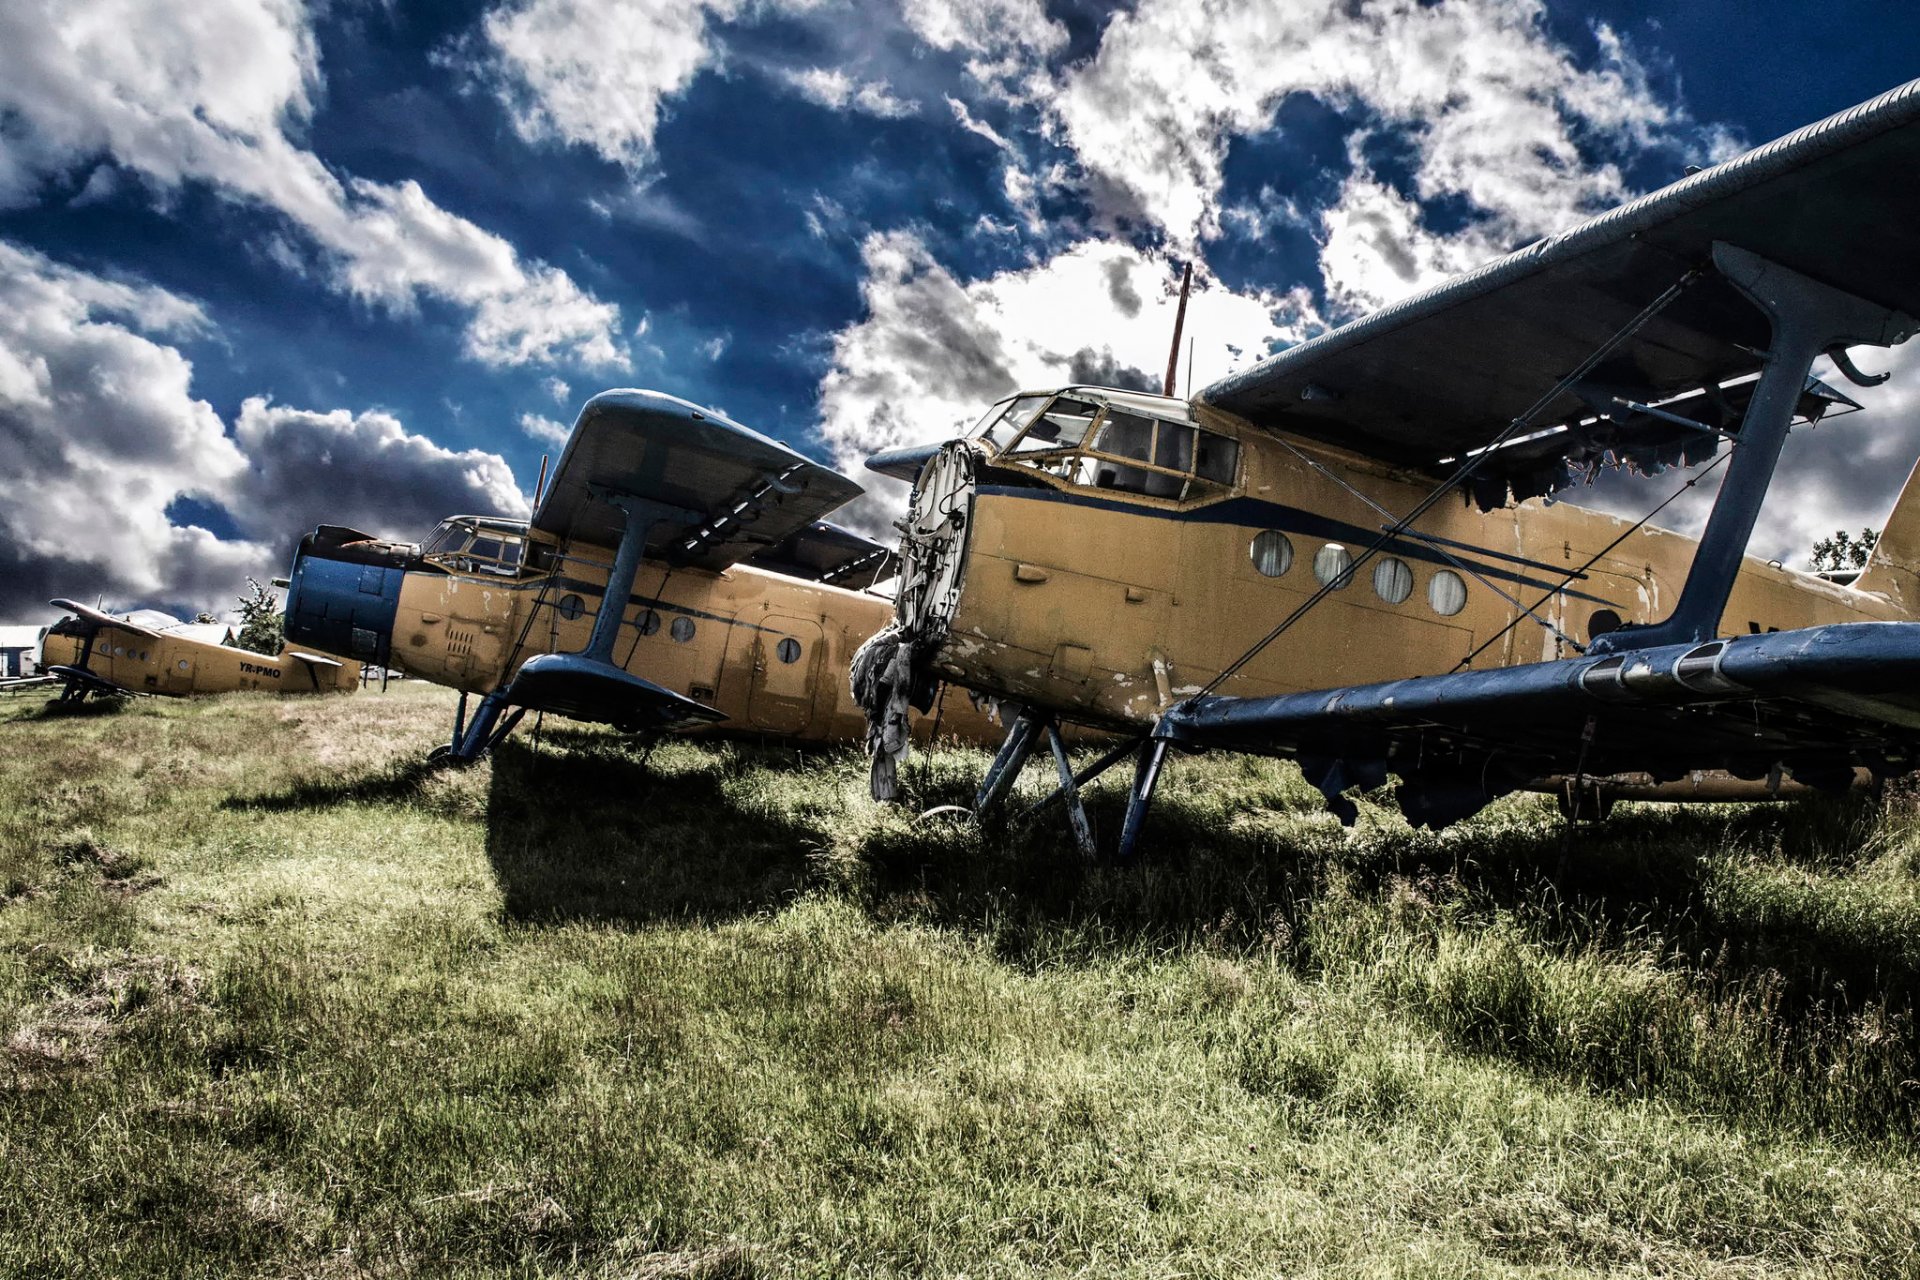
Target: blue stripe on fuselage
(1258, 514)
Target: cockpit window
(1003, 422)
(1126, 451)
(493, 547)
(1063, 426)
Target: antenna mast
(1179, 321)
(540, 485)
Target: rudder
(1893, 570)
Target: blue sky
(264, 262)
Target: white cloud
(932, 353)
(593, 73)
(839, 91)
(1374, 248)
(103, 434)
(1491, 103)
(596, 73)
(990, 28)
(207, 94)
(545, 430)
(558, 389)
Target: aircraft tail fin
(1893, 570)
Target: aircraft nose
(905, 462)
(343, 601)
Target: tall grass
(274, 999)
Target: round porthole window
(571, 606)
(648, 622)
(1272, 553)
(682, 629)
(1392, 580)
(184, 665)
(1332, 565)
(1447, 593)
(788, 650)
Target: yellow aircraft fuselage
(767, 650)
(1107, 607)
(177, 666)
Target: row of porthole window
(682, 630)
(1272, 554)
(121, 651)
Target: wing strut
(1808, 319)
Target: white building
(20, 651)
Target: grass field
(274, 1000)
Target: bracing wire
(1595, 558)
(1520, 424)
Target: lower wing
(1814, 704)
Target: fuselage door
(786, 663)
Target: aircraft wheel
(442, 757)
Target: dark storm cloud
(1100, 369)
(365, 470)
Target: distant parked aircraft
(731, 597)
(93, 653)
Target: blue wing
(745, 492)
(1816, 703)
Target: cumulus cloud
(1491, 103)
(208, 96)
(101, 434)
(104, 437)
(932, 352)
(307, 467)
(597, 73)
(545, 430)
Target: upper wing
(87, 613)
(825, 552)
(1815, 702)
(744, 491)
(1440, 374)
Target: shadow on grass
(583, 829)
(54, 709)
(397, 782)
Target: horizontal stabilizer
(1812, 704)
(742, 491)
(315, 660)
(825, 552)
(1439, 375)
(583, 688)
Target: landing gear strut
(1023, 740)
(475, 738)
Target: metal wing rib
(740, 491)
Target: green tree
(263, 626)
(1843, 551)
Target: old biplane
(97, 654)
(736, 602)
(1350, 553)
